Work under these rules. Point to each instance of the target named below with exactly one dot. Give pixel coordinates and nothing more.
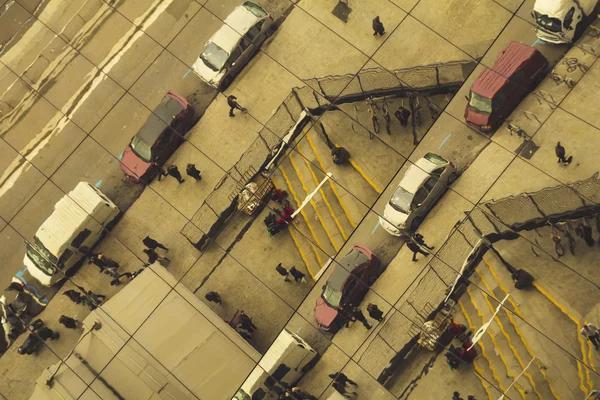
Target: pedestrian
(592, 333)
(298, 276)
(286, 216)
(153, 244)
(278, 195)
(456, 396)
(561, 153)
(46, 333)
(214, 297)
(357, 315)
(112, 272)
(522, 279)
(375, 312)
(414, 247)
(93, 300)
(300, 394)
(117, 280)
(73, 295)
(153, 256)
(341, 389)
(421, 242)
(378, 27)
(341, 378)
(402, 114)
(283, 272)
(193, 172)
(340, 155)
(173, 171)
(585, 231)
(69, 323)
(246, 322)
(233, 104)
(243, 332)
(30, 345)
(471, 397)
(94, 259)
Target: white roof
(278, 349)
(416, 174)
(236, 25)
(552, 7)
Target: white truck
(562, 21)
(286, 361)
(79, 219)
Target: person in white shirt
(592, 333)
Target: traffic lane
(472, 27)
(169, 73)
(161, 20)
(222, 8)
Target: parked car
(563, 21)
(234, 44)
(497, 91)
(158, 138)
(420, 188)
(346, 287)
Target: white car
(420, 188)
(234, 44)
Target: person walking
(153, 244)
(402, 114)
(378, 27)
(592, 333)
(283, 272)
(342, 379)
(561, 154)
(193, 172)
(298, 276)
(375, 312)
(73, 295)
(357, 315)
(341, 389)
(246, 322)
(69, 323)
(233, 104)
(153, 256)
(214, 297)
(421, 242)
(173, 171)
(456, 396)
(94, 259)
(585, 232)
(415, 248)
(46, 333)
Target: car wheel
(416, 222)
(226, 83)
(452, 177)
(371, 280)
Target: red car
(346, 287)
(152, 146)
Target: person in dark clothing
(561, 154)
(357, 315)
(298, 276)
(378, 27)
(456, 396)
(283, 272)
(375, 312)
(30, 345)
(46, 333)
(585, 232)
(68, 322)
(193, 172)
(73, 295)
(153, 244)
(273, 228)
(414, 247)
(402, 114)
(214, 297)
(278, 195)
(153, 256)
(94, 259)
(233, 104)
(340, 155)
(173, 171)
(420, 241)
(522, 279)
(93, 300)
(246, 322)
(341, 389)
(341, 378)
(470, 397)
(286, 216)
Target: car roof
(235, 26)
(160, 119)
(509, 61)
(416, 175)
(338, 277)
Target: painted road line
(376, 226)
(316, 180)
(331, 183)
(312, 231)
(447, 137)
(186, 74)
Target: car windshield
(480, 104)
(401, 200)
(434, 158)
(332, 296)
(241, 395)
(141, 148)
(214, 57)
(546, 22)
(40, 261)
(255, 9)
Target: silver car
(420, 188)
(234, 44)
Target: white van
(561, 21)
(286, 361)
(79, 219)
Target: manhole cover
(342, 11)
(527, 149)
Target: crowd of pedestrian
(173, 171)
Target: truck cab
(562, 21)
(79, 219)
